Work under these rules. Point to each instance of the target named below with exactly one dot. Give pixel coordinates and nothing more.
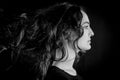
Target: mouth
(89, 41)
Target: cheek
(82, 39)
(83, 42)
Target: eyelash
(85, 26)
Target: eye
(86, 26)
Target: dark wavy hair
(36, 36)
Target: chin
(88, 48)
(85, 48)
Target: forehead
(85, 18)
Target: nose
(91, 32)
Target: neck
(67, 66)
(67, 62)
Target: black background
(102, 61)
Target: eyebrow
(86, 23)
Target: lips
(89, 41)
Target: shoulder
(55, 73)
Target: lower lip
(89, 41)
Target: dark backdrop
(102, 61)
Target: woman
(52, 40)
(79, 41)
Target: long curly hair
(36, 36)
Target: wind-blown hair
(37, 37)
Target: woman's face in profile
(85, 40)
